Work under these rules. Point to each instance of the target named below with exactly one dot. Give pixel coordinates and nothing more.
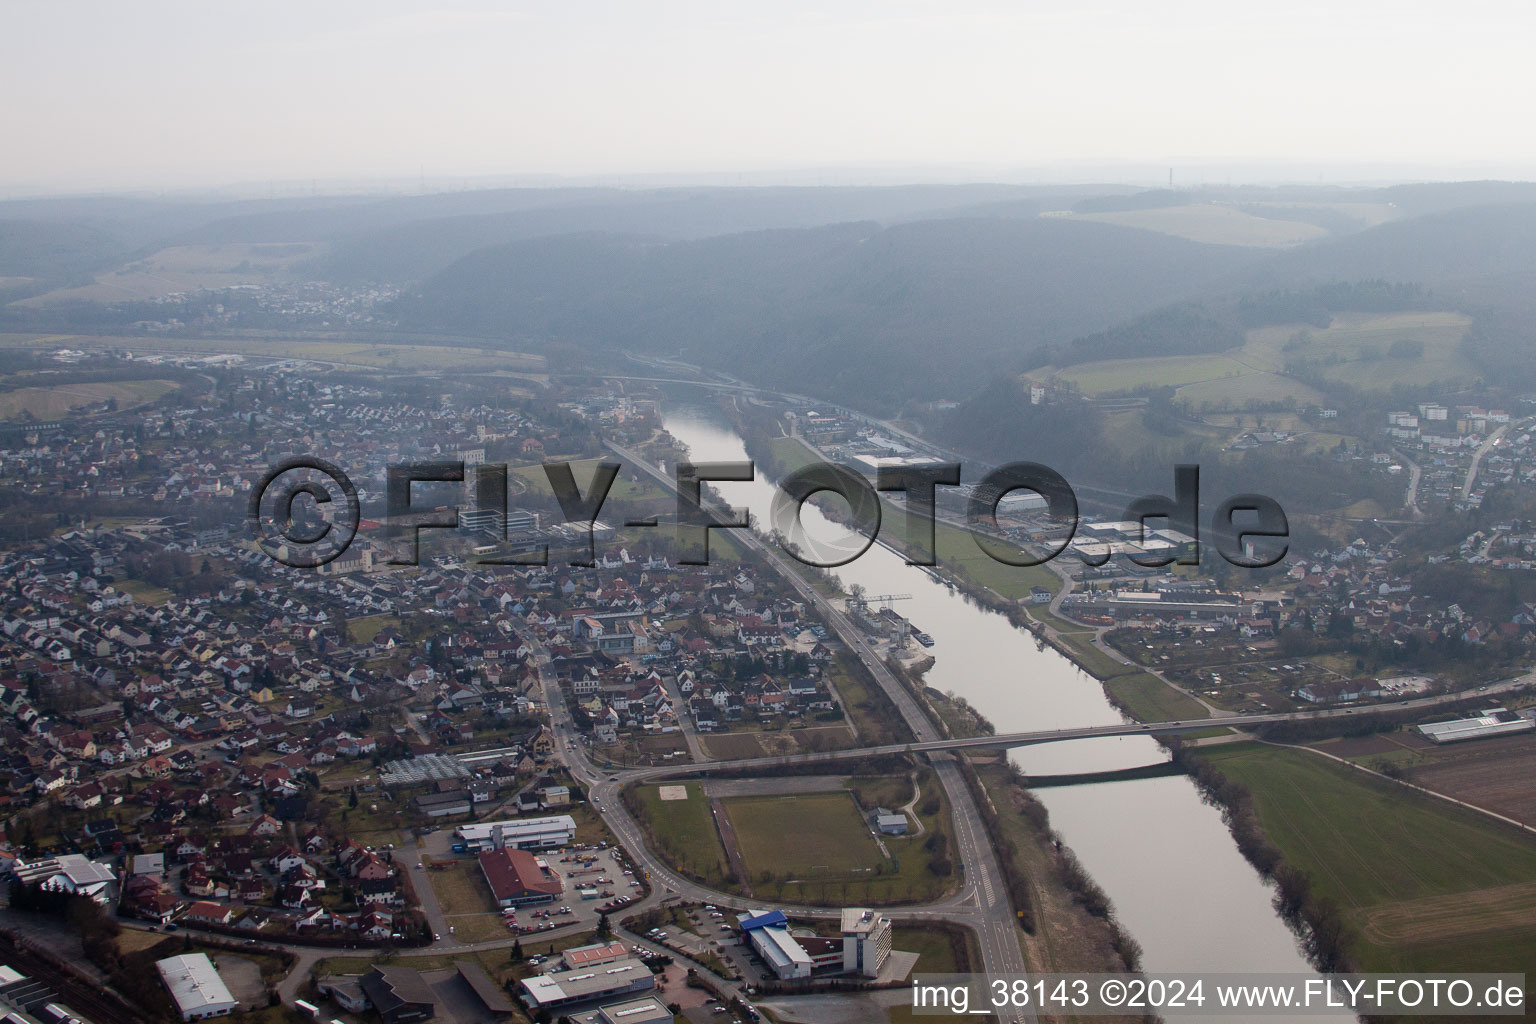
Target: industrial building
(566, 988)
(517, 877)
(195, 985)
(646, 1010)
(519, 833)
(1493, 722)
(578, 957)
(68, 872)
(865, 944)
(28, 1001)
(768, 933)
(400, 994)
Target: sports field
(685, 831)
(1425, 884)
(808, 836)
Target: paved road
(1415, 472)
(410, 856)
(1025, 739)
(1477, 459)
(983, 901)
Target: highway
(984, 892)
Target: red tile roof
(515, 874)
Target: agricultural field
(49, 403)
(956, 551)
(533, 480)
(1266, 225)
(1496, 774)
(1213, 225)
(1356, 349)
(1362, 345)
(1425, 885)
(346, 353)
(188, 268)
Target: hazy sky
(150, 93)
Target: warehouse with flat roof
(195, 985)
(566, 988)
(645, 1010)
(519, 833)
(1493, 722)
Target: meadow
(1356, 349)
(50, 403)
(1426, 885)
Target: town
(440, 789)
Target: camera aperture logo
(1250, 530)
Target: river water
(1165, 858)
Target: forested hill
(859, 311)
(1481, 252)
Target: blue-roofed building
(768, 932)
(769, 919)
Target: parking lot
(714, 932)
(598, 871)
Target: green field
(1354, 350)
(186, 268)
(1426, 885)
(685, 832)
(1361, 341)
(363, 630)
(1148, 699)
(376, 356)
(144, 593)
(808, 836)
(534, 480)
(1213, 225)
(816, 847)
(49, 403)
(957, 552)
(796, 849)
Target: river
(1164, 856)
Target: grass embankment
(1417, 884)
